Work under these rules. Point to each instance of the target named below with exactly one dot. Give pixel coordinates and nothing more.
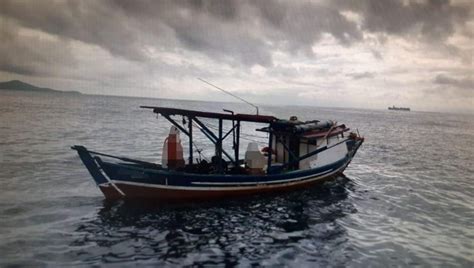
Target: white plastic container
(254, 158)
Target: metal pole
(270, 141)
(237, 144)
(219, 146)
(190, 126)
(175, 124)
(210, 135)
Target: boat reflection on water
(253, 230)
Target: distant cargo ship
(399, 108)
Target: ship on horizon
(399, 108)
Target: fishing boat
(296, 155)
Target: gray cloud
(235, 32)
(88, 22)
(430, 19)
(363, 75)
(164, 45)
(463, 83)
(32, 55)
(301, 24)
(376, 54)
(246, 30)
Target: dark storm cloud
(87, 21)
(431, 19)
(245, 31)
(234, 32)
(301, 24)
(31, 55)
(220, 37)
(463, 83)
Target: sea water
(407, 198)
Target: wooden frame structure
(216, 139)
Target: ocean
(407, 198)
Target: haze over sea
(406, 198)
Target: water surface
(406, 199)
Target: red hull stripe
(146, 192)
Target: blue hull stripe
(118, 172)
(230, 188)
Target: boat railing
(125, 159)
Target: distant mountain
(22, 86)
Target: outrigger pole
(227, 92)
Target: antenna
(227, 92)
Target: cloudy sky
(335, 53)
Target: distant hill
(22, 86)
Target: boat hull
(149, 191)
(118, 181)
(138, 191)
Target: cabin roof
(237, 117)
(310, 133)
(314, 134)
